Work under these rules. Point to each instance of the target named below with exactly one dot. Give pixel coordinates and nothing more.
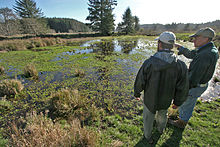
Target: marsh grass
(5, 105)
(10, 88)
(42, 131)
(69, 104)
(30, 71)
(2, 70)
(79, 73)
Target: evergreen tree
(127, 25)
(101, 15)
(136, 23)
(30, 14)
(27, 9)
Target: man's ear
(159, 45)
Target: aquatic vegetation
(10, 87)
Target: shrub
(42, 131)
(30, 71)
(10, 87)
(2, 70)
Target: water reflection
(105, 47)
(127, 46)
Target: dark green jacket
(162, 77)
(203, 63)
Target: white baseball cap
(167, 37)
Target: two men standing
(164, 78)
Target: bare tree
(8, 22)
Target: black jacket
(162, 78)
(203, 63)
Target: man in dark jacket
(201, 70)
(163, 78)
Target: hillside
(66, 25)
(180, 27)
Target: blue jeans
(186, 109)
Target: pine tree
(27, 9)
(30, 14)
(127, 25)
(101, 15)
(136, 24)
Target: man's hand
(137, 98)
(174, 106)
(180, 48)
(177, 45)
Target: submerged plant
(10, 87)
(30, 71)
(42, 131)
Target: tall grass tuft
(79, 73)
(10, 88)
(42, 131)
(2, 70)
(69, 104)
(30, 71)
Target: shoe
(149, 141)
(178, 123)
(160, 131)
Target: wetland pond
(109, 67)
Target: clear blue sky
(148, 11)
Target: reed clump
(30, 71)
(79, 73)
(69, 104)
(10, 88)
(2, 70)
(42, 131)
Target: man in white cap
(201, 69)
(163, 78)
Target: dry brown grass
(30, 71)
(69, 104)
(41, 131)
(10, 88)
(24, 44)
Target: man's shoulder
(181, 63)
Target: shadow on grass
(143, 142)
(175, 138)
(173, 141)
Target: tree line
(27, 18)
